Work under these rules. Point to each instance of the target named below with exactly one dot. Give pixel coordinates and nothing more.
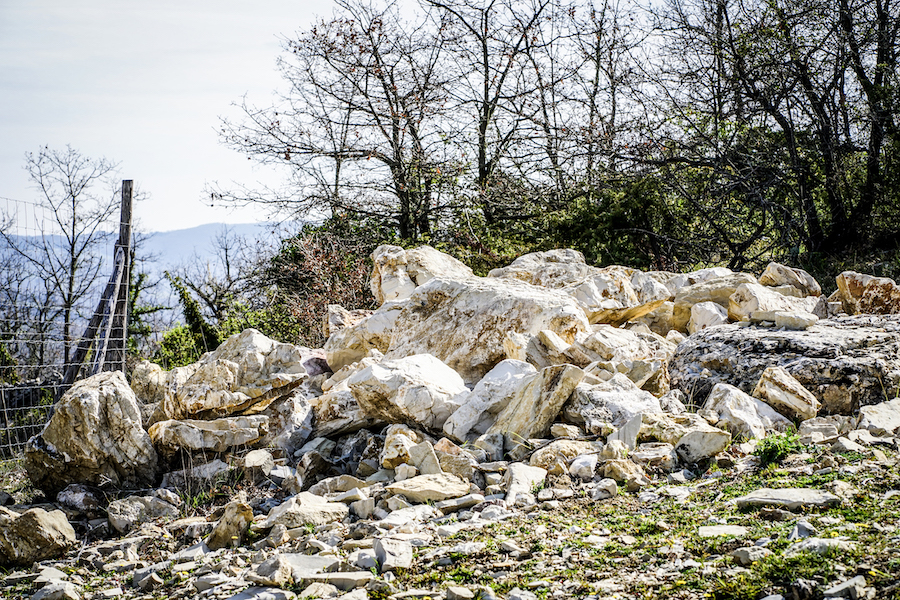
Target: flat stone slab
(304, 566)
(789, 498)
(719, 530)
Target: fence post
(119, 332)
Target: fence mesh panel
(50, 283)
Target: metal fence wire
(52, 326)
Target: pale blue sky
(144, 84)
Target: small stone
(605, 488)
(789, 498)
(855, 589)
(722, 530)
(393, 554)
(455, 592)
(58, 590)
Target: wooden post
(107, 304)
(119, 332)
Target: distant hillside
(173, 248)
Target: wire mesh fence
(55, 263)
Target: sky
(144, 84)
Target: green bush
(774, 448)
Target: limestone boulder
(694, 439)
(781, 391)
(619, 346)
(777, 275)
(616, 294)
(126, 513)
(337, 318)
(479, 408)
(729, 408)
(243, 375)
(217, 435)
(398, 440)
(556, 456)
(706, 314)
(417, 389)
(363, 338)
(882, 419)
(865, 294)
(397, 272)
(613, 402)
(751, 298)
(336, 411)
(613, 294)
(845, 362)
(303, 509)
(430, 488)
(534, 407)
(716, 289)
(231, 528)
(94, 437)
(464, 322)
(33, 535)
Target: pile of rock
(463, 395)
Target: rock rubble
(462, 403)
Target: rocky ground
(552, 430)
(686, 535)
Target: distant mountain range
(169, 249)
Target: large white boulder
(694, 439)
(95, 437)
(465, 322)
(479, 408)
(533, 408)
(397, 272)
(777, 275)
(706, 314)
(780, 390)
(612, 294)
(418, 389)
(217, 435)
(246, 372)
(744, 416)
(716, 289)
(356, 341)
(751, 298)
(613, 402)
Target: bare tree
(64, 258)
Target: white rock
(777, 275)
(94, 437)
(465, 322)
(491, 394)
(781, 391)
(716, 289)
(416, 389)
(706, 314)
(397, 272)
(217, 435)
(33, 536)
(368, 336)
(304, 509)
(246, 370)
(430, 488)
(694, 439)
(880, 419)
(522, 479)
(583, 466)
(129, 512)
(605, 488)
(751, 298)
(535, 405)
(393, 554)
(789, 498)
(397, 442)
(616, 402)
(741, 414)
